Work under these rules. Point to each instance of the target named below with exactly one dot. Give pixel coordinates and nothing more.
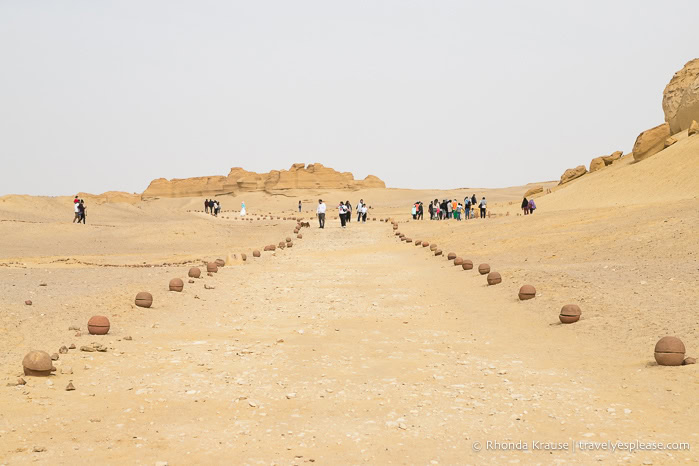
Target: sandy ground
(351, 347)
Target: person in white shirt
(363, 211)
(321, 213)
(76, 208)
(342, 208)
(359, 209)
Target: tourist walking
(206, 206)
(348, 211)
(83, 211)
(320, 212)
(532, 206)
(363, 213)
(242, 209)
(467, 207)
(525, 206)
(420, 211)
(482, 206)
(360, 209)
(76, 209)
(342, 210)
(474, 201)
(299, 206)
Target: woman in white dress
(242, 209)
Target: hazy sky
(108, 95)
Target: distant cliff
(299, 176)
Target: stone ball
(38, 363)
(98, 325)
(438, 252)
(288, 239)
(418, 242)
(28, 302)
(458, 261)
(494, 278)
(467, 264)
(176, 284)
(425, 244)
(669, 351)
(256, 253)
(281, 245)
(483, 269)
(433, 247)
(408, 240)
(395, 227)
(211, 267)
(244, 257)
(195, 272)
(289, 244)
(527, 292)
(299, 236)
(451, 256)
(220, 263)
(373, 219)
(569, 313)
(397, 233)
(144, 299)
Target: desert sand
(353, 346)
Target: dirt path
(351, 347)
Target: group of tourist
(451, 208)
(212, 207)
(344, 211)
(80, 210)
(528, 206)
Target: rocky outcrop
(535, 190)
(681, 98)
(670, 141)
(650, 142)
(600, 162)
(299, 176)
(609, 159)
(596, 164)
(693, 129)
(572, 173)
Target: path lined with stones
(351, 347)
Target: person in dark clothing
(82, 209)
(474, 201)
(348, 209)
(525, 206)
(299, 206)
(420, 212)
(206, 206)
(431, 211)
(482, 206)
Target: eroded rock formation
(299, 176)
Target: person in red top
(76, 200)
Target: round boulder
(494, 278)
(98, 325)
(570, 313)
(38, 364)
(288, 239)
(467, 264)
(438, 252)
(176, 284)
(451, 256)
(195, 272)
(211, 267)
(256, 253)
(220, 263)
(669, 351)
(458, 261)
(144, 299)
(483, 269)
(425, 244)
(299, 236)
(527, 292)
(289, 244)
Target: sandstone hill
(299, 176)
(681, 108)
